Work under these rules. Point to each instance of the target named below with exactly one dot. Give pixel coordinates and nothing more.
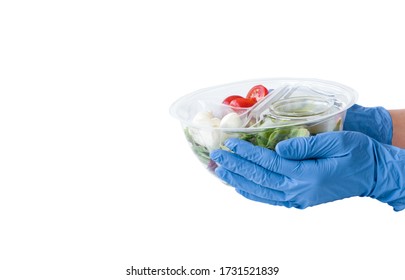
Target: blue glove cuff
(375, 122)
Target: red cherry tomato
(257, 92)
(228, 100)
(242, 102)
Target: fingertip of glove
(280, 147)
(221, 173)
(215, 155)
(231, 143)
(284, 147)
(219, 156)
(291, 148)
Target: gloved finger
(247, 169)
(246, 185)
(259, 199)
(264, 157)
(323, 145)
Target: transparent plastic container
(293, 108)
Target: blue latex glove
(307, 171)
(375, 122)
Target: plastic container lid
(291, 101)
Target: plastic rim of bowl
(351, 94)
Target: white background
(96, 177)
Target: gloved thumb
(322, 145)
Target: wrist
(398, 130)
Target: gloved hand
(306, 171)
(375, 122)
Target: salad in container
(263, 112)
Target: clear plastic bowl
(294, 107)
